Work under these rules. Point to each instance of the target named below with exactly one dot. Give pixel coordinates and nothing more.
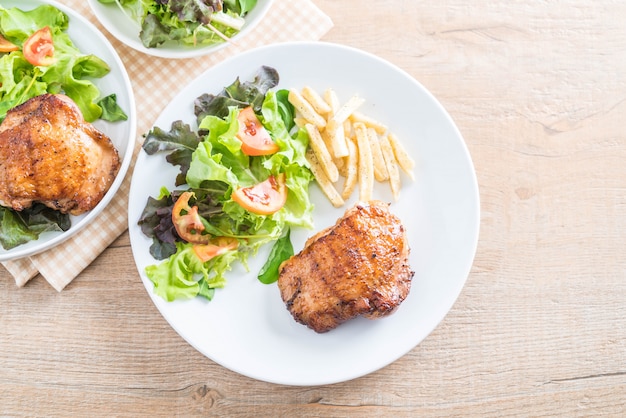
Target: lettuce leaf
(220, 158)
(281, 250)
(17, 228)
(175, 278)
(241, 7)
(238, 94)
(72, 73)
(187, 22)
(215, 167)
(180, 140)
(111, 111)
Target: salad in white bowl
(179, 28)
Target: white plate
(88, 39)
(127, 31)
(246, 327)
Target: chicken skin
(50, 154)
(357, 267)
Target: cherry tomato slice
(255, 140)
(39, 49)
(215, 247)
(264, 198)
(6, 46)
(188, 225)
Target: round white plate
(127, 31)
(88, 39)
(247, 327)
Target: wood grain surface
(538, 90)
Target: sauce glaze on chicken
(358, 267)
(50, 154)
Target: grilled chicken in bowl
(50, 154)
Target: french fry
(347, 129)
(380, 169)
(337, 139)
(323, 181)
(369, 122)
(334, 125)
(306, 109)
(350, 145)
(330, 96)
(404, 160)
(316, 142)
(315, 100)
(300, 121)
(366, 166)
(351, 165)
(324, 134)
(392, 166)
(340, 163)
(344, 112)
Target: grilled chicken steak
(50, 154)
(359, 266)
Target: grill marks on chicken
(357, 267)
(50, 154)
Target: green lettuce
(187, 22)
(176, 278)
(17, 228)
(219, 158)
(217, 168)
(71, 74)
(281, 250)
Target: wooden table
(538, 90)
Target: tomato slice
(187, 221)
(39, 49)
(255, 140)
(264, 198)
(215, 247)
(6, 46)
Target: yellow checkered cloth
(155, 83)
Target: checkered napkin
(155, 83)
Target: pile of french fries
(344, 143)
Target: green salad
(198, 22)
(65, 69)
(243, 183)
(37, 56)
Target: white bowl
(127, 31)
(88, 39)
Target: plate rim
(468, 258)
